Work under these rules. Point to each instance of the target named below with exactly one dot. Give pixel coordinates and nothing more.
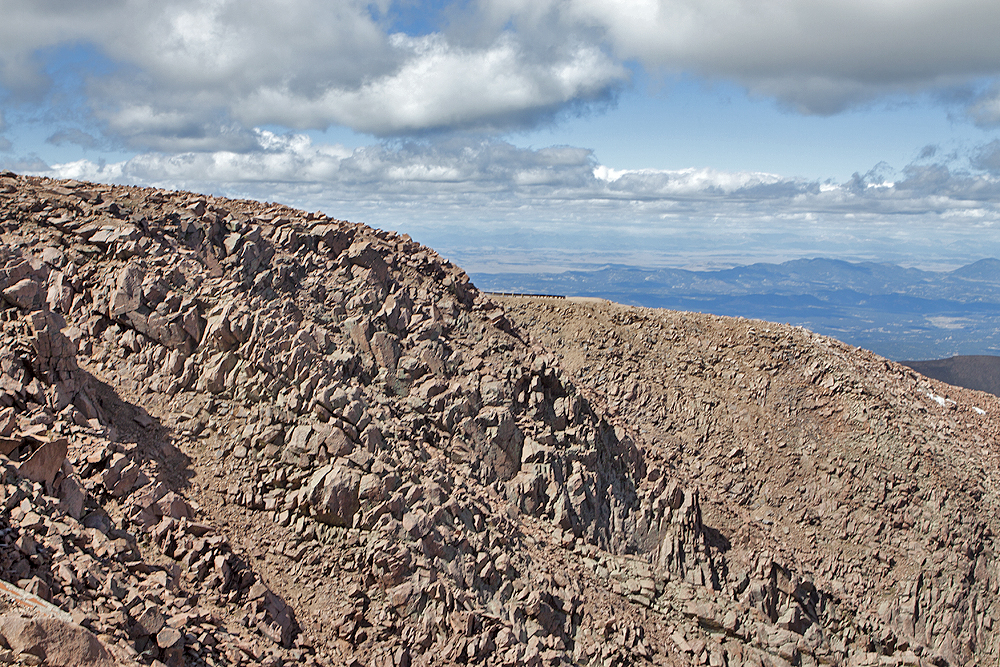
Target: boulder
(56, 642)
(127, 294)
(24, 294)
(337, 497)
(47, 460)
(385, 349)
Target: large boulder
(126, 296)
(25, 294)
(496, 440)
(56, 642)
(45, 462)
(334, 494)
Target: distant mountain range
(900, 313)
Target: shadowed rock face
(314, 442)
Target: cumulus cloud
(813, 56)
(499, 171)
(440, 86)
(489, 201)
(191, 75)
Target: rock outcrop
(850, 498)
(236, 433)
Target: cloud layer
(485, 203)
(192, 75)
(186, 86)
(817, 56)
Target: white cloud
(440, 86)
(484, 201)
(188, 75)
(684, 182)
(185, 75)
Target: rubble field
(234, 433)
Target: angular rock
(56, 642)
(45, 462)
(335, 498)
(126, 296)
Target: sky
(538, 135)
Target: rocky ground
(829, 464)
(236, 433)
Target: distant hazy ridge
(972, 372)
(897, 312)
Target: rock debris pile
(236, 433)
(854, 500)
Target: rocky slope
(236, 433)
(872, 486)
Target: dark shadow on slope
(716, 539)
(152, 439)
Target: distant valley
(900, 313)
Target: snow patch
(940, 400)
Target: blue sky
(538, 134)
